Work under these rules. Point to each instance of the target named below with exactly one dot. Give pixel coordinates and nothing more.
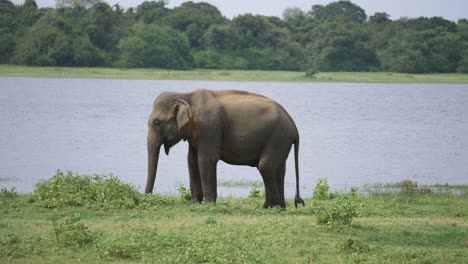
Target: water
(350, 133)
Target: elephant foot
(269, 204)
(194, 201)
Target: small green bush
(10, 246)
(321, 189)
(8, 194)
(184, 193)
(69, 189)
(14, 246)
(255, 191)
(311, 72)
(349, 246)
(211, 221)
(409, 187)
(69, 231)
(340, 211)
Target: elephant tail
(297, 199)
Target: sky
(449, 9)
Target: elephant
(237, 127)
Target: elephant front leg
(194, 173)
(208, 178)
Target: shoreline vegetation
(228, 75)
(97, 218)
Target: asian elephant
(237, 127)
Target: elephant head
(170, 121)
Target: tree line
(334, 37)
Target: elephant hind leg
(280, 174)
(270, 178)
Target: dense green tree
(72, 3)
(194, 19)
(106, 26)
(422, 51)
(155, 46)
(265, 45)
(341, 10)
(152, 11)
(379, 18)
(59, 38)
(341, 47)
(221, 38)
(29, 13)
(8, 25)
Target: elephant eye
(156, 122)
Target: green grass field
(228, 75)
(77, 219)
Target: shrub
(311, 72)
(409, 187)
(8, 194)
(70, 231)
(255, 191)
(11, 246)
(82, 190)
(184, 193)
(340, 211)
(321, 189)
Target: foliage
(409, 187)
(344, 10)
(151, 11)
(321, 189)
(184, 193)
(338, 36)
(256, 191)
(8, 194)
(68, 189)
(69, 231)
(153, 46)
(13, 246)
(340, 211)
(311, 72)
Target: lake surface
(351, 134)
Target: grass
(228, 75)
(388, 228)
(238, 183)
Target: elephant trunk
(154, 145)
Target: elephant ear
(184, 118)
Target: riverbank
(228, 75)
(91, 219)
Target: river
(351, 133)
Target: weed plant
(69, 231)
(321, 189)
(256, 191)
(340, 211)
(184, 193)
